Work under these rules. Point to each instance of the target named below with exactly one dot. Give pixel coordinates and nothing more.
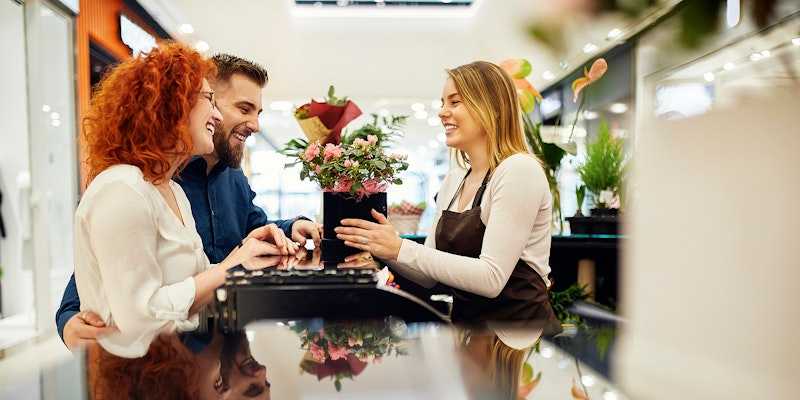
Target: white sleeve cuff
(174, 301)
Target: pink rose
(332, 151)
(348, 163)
(337, 352)
(372, 139)
(373, 186)
(318, 169)
(359, 142)
(343, 185)
(318, 353)
(312, 151)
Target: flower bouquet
(405, 216)
(352, 169)
(323, 121)
(344, 350)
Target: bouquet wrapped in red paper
(323, 122)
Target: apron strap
(478, 195)
(460, 186)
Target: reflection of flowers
(344, 350)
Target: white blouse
(135, 261)
(517, 211)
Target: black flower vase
(339, 206)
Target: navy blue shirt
(223, 211)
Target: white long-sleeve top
(517, 211)
(135, 261)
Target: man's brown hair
(227, 65)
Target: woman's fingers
(359, 246)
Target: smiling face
(239, 101)
(203, 121)
(462, 130)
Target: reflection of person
(243, 376)
(169, 370)
(214, 184)
(139, 263)
(492, 361)
(492, 225)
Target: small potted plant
(405, 217)
(602, 174)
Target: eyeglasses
(209, 95)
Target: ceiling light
(280, 105)
(436, 104)
(547, 352)
(729, 66)
(709, 76)
(186, 29)
(418, 107)
(421, 115)
(45, 108)
(614, 33)
(56, 122)
(590, 115)
(55, 115)
(434, 121)
(766, 53)
(618, 108)
(201, 46)
(796, 41)
(548, 76)
(587, 380)
(756, 56)
(589, 48)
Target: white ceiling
(380, 62)
(366, 58)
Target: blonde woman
(492, 225)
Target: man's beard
(228, 155)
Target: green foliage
(580, 195)
(550, 155)
(605, 160)
(562, 301)
(333, 100)
(386, 129)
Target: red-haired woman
(139, 262)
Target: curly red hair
(140, 111)
(168, 371)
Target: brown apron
(525, 295)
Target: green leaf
(527, 374)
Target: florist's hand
(303, 229)
(83, 329)
(361, 260)
(270, 233)
(380, 239)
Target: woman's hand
(380, 239)
(272, 234)
(252, 252)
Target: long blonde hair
(491, 98)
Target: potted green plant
(602, 173)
